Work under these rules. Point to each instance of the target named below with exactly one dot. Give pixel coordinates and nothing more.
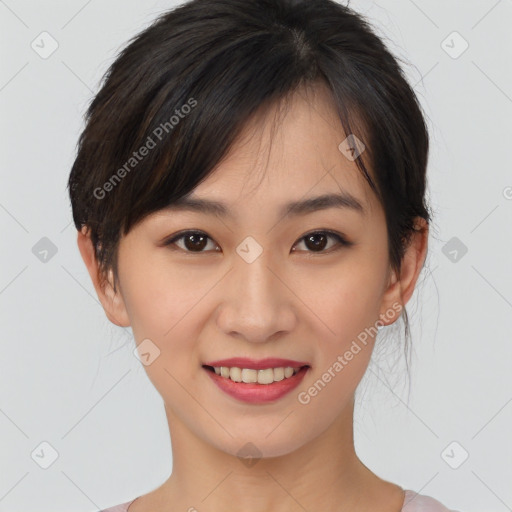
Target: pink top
(413, 503)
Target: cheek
(163, 306)
(346, 305)
(347, 310)
(343, 299)
(167, 307)
(158, 295)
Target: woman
(249, 195)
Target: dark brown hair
(185, 86)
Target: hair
(182, 89)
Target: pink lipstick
(256, 392)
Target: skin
(297, 304)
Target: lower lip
(258, 393)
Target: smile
(251, 376)
(256, 386)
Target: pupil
(316, 245)
(190, 238)
(316, 241)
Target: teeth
(247, 375)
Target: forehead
(289, 150)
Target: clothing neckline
(405, 493)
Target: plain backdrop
(75, 399)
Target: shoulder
(119, 508)
(415, 502)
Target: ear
(112, 303)
(399, 290)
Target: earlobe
(391, 303)
(400, 289)
(112, 302)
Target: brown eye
(317, 241)
(197, 241)
(193, 241)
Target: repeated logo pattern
(453, 46)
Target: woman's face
(257, 286)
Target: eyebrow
(293, 208)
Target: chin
(251, 445)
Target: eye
(197, 241)
(194, 241)
(317, 240)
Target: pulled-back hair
(174, 100)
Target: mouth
(256, 386)
(264, 376)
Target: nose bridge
(255, 303)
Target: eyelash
(343, 242)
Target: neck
(323, 474)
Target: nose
(257, 302)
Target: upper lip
(256, 364)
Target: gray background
(68, 377)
